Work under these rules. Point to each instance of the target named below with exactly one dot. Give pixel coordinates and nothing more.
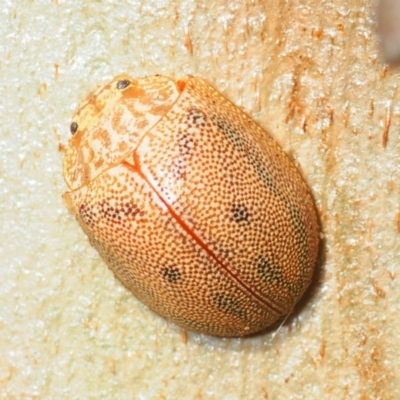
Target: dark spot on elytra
(186, 146)
(185, 143)
(171, 274)
(240, 213)
(197, 117)
(301, 242)
(86, 214)
(268, 271)
(230, 132)
(120, 213)
(73, 127)
(247, 149)
(123, 83)
(227, 304)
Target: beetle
(194, 207)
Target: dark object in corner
(388, 15)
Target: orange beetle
(195, 208)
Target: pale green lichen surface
(308, 71)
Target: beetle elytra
(195, 207)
